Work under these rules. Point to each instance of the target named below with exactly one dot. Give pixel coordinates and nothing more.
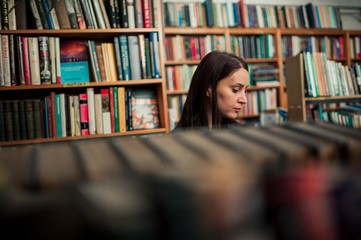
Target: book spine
(29, 114)
(98, 113)
(91, 111)
(36, 14)
(4, 15)
(123, 43)
(42, 14)
(57, 58)
(6, 60)
(118, 58)
(52, 58)
(22, 119)
(77, 115)
(134, 57)
(106, 111)
(131, 13)
(44, 5)
(116, 109)
(155, 53)
(84, 117)
(20, 60)
(94, 61)
(147, 19)
(79, 15)
(16, 119)
(71, 13)
(12, 15)
(33, 47)
(99, 52)
(44, 59)
(8, 121)
(138, 14)
(123, 14)
(99, 14)
(13, 61)
(87, 14)
(60, 10)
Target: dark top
(226, 123)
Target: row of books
(263, 75)
(81, 14)
(355, 47)
(180, 48)
(96, 111)
(175, 107)
(238, 14)
(260, 101)
(329, 78)
(179, 77)
(348, 115)
(49, 60)
(334, 47)
(253, 46)
(294, 181)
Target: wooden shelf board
(42, 140)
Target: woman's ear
(209, 92)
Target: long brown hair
(214, 67)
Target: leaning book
(74, 62)
(145, 112)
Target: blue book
(47, 12)
(74, 64)
(123, 46)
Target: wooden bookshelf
(278, 60)
(298, 101)
(101, 35)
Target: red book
(26, 63)
(147, 18)
(84, 118)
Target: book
(134, 57)
(145, 112)
(64, 22)
(84, 117)
(74, 62)
(44, 58)
(34, 61)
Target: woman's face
(231, 93)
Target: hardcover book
(74, 62)
(145, 112)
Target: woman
(217, 92)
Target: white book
(57, 59)
(5, 60)
(98, 113)
(91, 110)
(92, 13)
(104, 13)
(77, 115)
(12, 15)
(107, 126)
(134, 57)
(131, 13)
(99, 14)
(34, 60)
(52, 56)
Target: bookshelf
(287, 39)
(303, 107)
(101, 35)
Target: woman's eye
(235, 90)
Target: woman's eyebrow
(237, 85)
